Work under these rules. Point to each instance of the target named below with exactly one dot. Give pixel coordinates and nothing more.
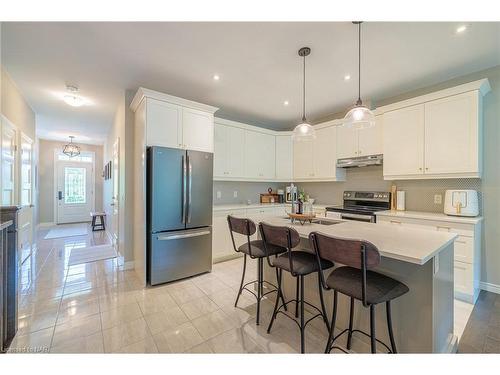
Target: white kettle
(461, 203)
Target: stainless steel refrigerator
(179, 213)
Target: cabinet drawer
(237, 213)
(458, 228)
(464, 249)
(464, 278)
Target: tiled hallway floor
(98, 307)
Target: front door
(74, 191)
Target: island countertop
(411, 245)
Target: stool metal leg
(275, 311)
(372, 329)
(242, 279)
(332, 326)
(297, 288)
(279, 291)
(351, 316)
(259, 288)
(302, 327)
(323, 309)
(389, 327)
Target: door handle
(167, 237)
(59, 195)
(184, 182)
(190, 184)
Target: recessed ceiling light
(461, 29)
(347, 77)
(285, 103)
(71, 98)
(216, 77)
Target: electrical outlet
(219, 195)
(235, 194)
(438, 199)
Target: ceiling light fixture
(360, 115)
(304, 131)
(216, 77)
(285, 103)
(347, 77)
(71, 98)
(71, 149)
(461, 29)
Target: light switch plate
(438, 199)
(219, 195)
(235, 194)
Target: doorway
(115, 203)
(74, 187)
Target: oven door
(358, 217)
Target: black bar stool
(255, 250)
(356, 280)
(299, 264)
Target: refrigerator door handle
(184, 183)
(167, 237)
(190, 179)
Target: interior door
(115, 202)
(25, 236)
(9, 163)
(74, 191)
(200, 189)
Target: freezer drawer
(179, 254)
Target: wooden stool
(98, 226)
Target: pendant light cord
(304, 92)
(359, 65)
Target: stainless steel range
(361, 205)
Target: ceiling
(257, 62)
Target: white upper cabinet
(197, 130)
(164, 124)
(451, 135)
(437, 135)
(176, 122)
(352, 142)
(284, 158)
(316, 160)
(260, 153)
(403, 144)
(229, 152)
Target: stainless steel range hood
(361, 161)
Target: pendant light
(71, 149)
(304, 131)
(360, 116)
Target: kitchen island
(423, 260)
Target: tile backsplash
(419, 193)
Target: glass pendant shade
(360, 117)
(71, 149)
(303, 132)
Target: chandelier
(71, 149)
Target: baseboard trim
(490, 287)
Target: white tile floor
(98, 307)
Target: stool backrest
(280, 236)
(359, 254)
(243, 226)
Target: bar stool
(255, 250)
(299, 264)
(356, 280)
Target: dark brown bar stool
(357, 281)
(299, 264)
(255, 250)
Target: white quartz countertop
(242, 206)
(430, 216)
(406, 244)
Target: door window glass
(74, 185)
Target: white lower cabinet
(222, 245)
(467, 250)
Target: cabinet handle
(438, 227)
(395, 222)
(459, 241)
(419, 169)
(359, 152)
(426, 169)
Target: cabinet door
(451, 134)
(259, 155)
(284, 157)
(163, 124)
(324, 155)
(222, 245)
(403, 141)
(370, 139)
(198, 130)
(221, 146)
(347, 142)
(303, 159)
(236, 152)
